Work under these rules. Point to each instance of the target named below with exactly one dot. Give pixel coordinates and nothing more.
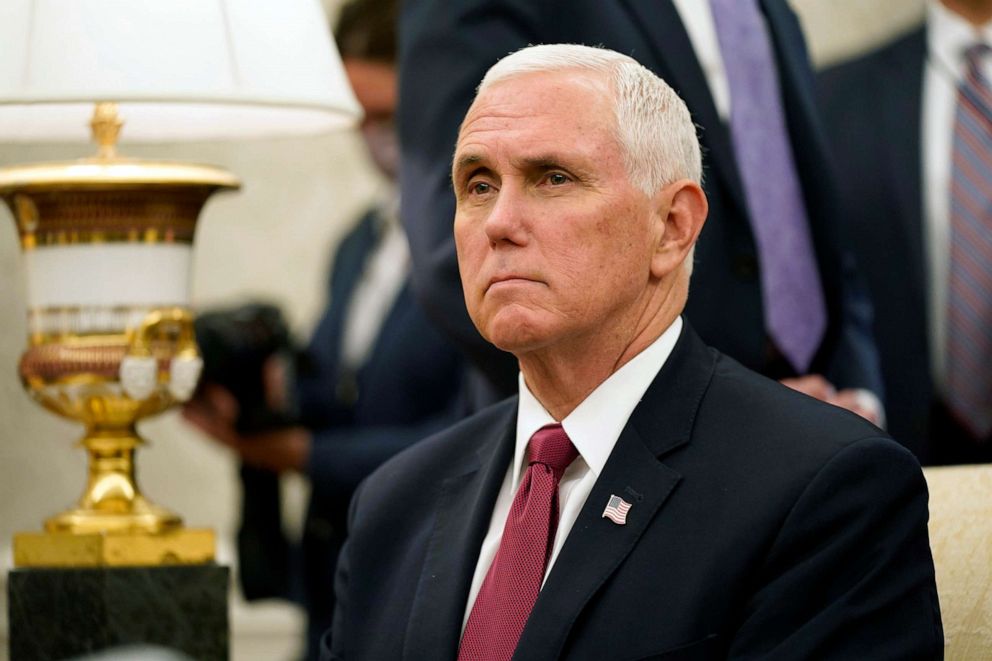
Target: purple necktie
(790, 283)
(969, 286)
(513, 581)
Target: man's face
(554, 243)
(374, 84)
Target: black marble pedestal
(62, 613)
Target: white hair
(652, 124)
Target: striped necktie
(969, 310)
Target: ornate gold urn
(107, 245)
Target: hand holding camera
(244, 400)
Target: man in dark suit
(378, 375)
(644, 495)
(891, 115)
(445, 49)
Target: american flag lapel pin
(616, 510)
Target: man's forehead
(574, 77)
(527, 94)
(537, 99)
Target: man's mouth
(508, 279)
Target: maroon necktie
(514, 579)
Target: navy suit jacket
(872, 107)
(764, 524)
(406, 390)
(446, 48)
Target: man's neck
(562, 377)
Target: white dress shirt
(697, 18)
(593, 427)
(948, 35)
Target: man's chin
(517, 328)
(519, 340)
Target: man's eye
(480, 188)
(557, 179)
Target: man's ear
(681, 209)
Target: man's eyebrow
(465, 162)
(537, 162)
(542, 161)
(571, 163)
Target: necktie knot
(551, 446)
(974, 53)
(975, 86)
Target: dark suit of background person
(445, 49)
(357, 407)
(873, 108)
(405, 390)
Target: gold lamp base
(113, 524)
(142, 516)
(111, 502)
(63, 549)
(105, 362)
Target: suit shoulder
(447, 448)
(854, 74)
(767, 412)
(748, 426)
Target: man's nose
(506, 224)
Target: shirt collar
(595, 424)
(949, 35)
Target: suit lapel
(901, 104)
(464, 505)
(795, 75)
(676, 62)
(596, 547)
(349, 263)
(796, 84)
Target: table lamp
(107, 240)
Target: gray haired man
(643, 496)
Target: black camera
(235, 344)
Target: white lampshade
(180, 69)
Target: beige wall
(272, 240)
(836, 29)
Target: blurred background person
(375, 378)
(773, 284)
(911, 127)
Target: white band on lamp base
(109, 274)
